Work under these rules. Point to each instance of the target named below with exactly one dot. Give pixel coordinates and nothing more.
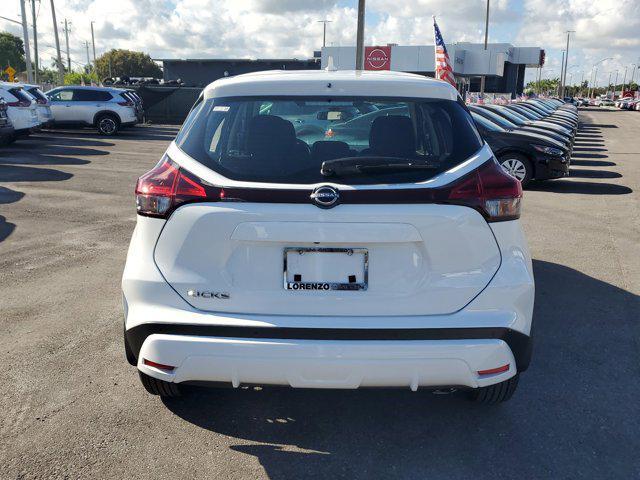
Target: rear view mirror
(331, 115)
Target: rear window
(286, 140)
(133, 96)
(486, 123)
(21, 95)
(494, 117)
(37, 94)
(91, 96)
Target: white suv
(329, 230)
(106, 109)
(22, 109)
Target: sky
(290, 28)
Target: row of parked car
(628, 104)
(533, 139)
(26, 108)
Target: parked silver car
(106, 109)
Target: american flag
(443, 64)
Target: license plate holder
(325, 269)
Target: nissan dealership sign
(377, 58)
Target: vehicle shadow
(142, 132)
(13, 169)
(6, 228)
(592, 163)
(13, 173)
(587, 136)
(602, 125)
(586, 188)
(585, 173)
(588, 155)
(581, 148)
(54, 137)
(9, 196)
(565, 399)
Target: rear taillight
(19, 103)
(490, 190)
(128, 103)
(167, 186)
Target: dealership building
(502, 64)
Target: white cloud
(290, 28)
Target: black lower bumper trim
(519, 343)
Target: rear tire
(498, 393)
(517, 166)
(9, 140)
(159, 387)
(107, 124)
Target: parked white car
(322, 229)
(7, 132)
(45, 118)
(106, 109)
(21, 109)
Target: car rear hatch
(248, 257)
(385, 211)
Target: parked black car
(532, 113)
(511, 125)
(525, 155)
(523, 121)
(557, 116)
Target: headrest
(270, 134)
(392, 135)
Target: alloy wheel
(107, 126)
(515, 168)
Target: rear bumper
(325, 363)
(6, 131)
(23, 132)
(375, 350)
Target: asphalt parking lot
(73, 408)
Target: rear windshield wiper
(357, 165)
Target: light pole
(66, 36)
(595, 76)
(25, 33)
(561, 74)
(59, 57)
(633, 71)
(93, 43)
(360, 36)
(624, 81)
(35, 41)
(486, 40)
(563, 79)
(324, 31)
(615, 83)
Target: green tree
(11, 52)
(47, 75)
(546, 85)
(126, 63)
(76, 78)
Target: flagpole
(486, 40)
